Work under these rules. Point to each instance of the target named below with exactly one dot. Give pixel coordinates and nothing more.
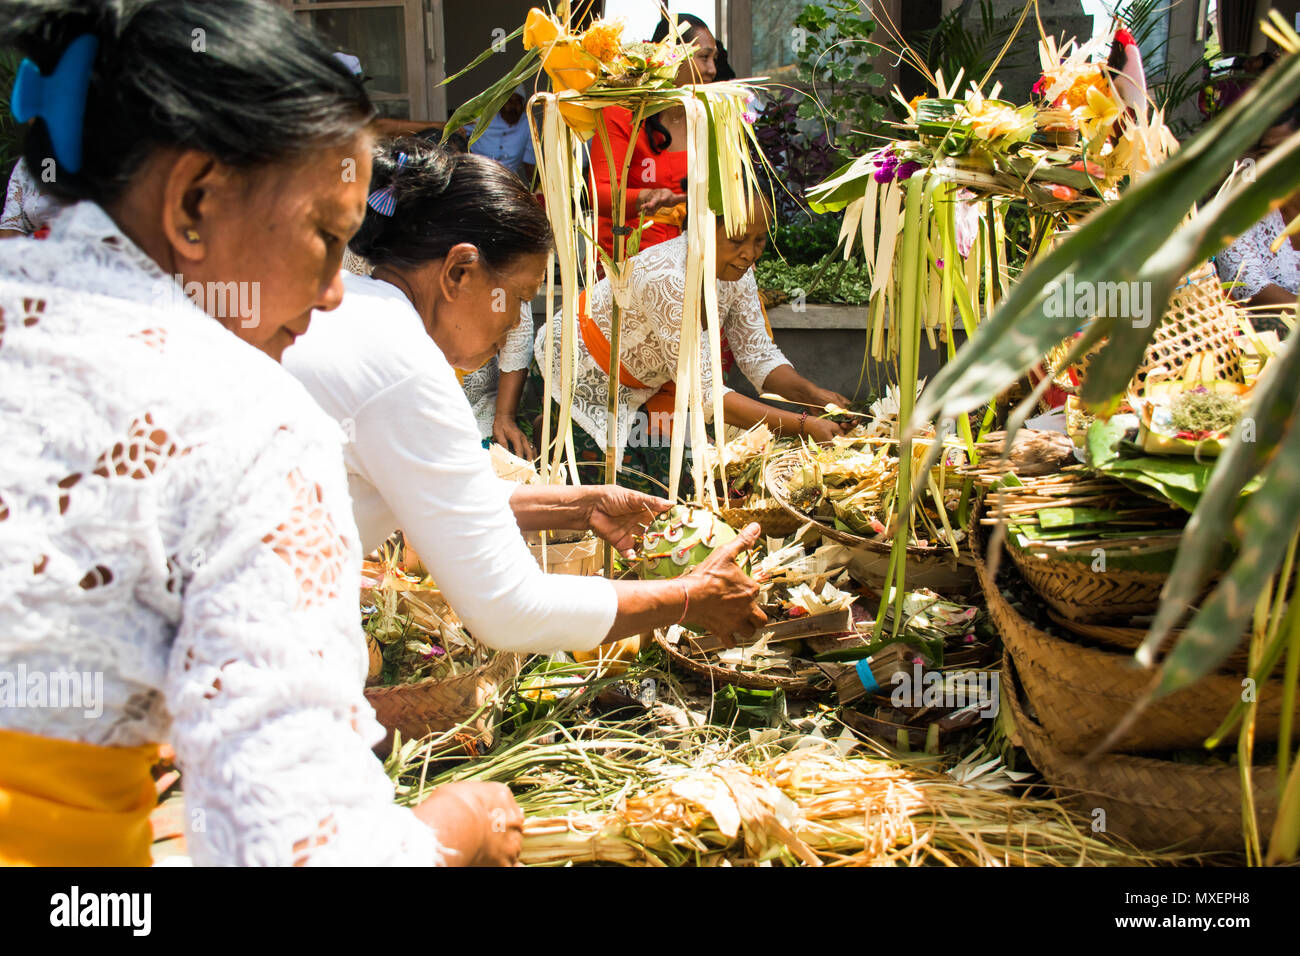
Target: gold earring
(192, 235)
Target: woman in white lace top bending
(457, 243)
(178, 558)
(650, 332)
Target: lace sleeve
(517, 353)
(12, 217)
(264, 682)
(1246, 261)
(746, 331)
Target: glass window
(374, 35)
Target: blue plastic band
(864, 674)
(58, 99)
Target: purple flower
(905, 170)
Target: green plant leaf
(1270, 413)
(1219, 625)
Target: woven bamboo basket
(1200, 320)
(1150, 803)
(1128, 639)
(461, 702)
(1075, 591)
(466, 702)
(1081, 693)
(776, 521)
(582, 557)
(775, 477)
(793, 686)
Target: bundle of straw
(815, 807)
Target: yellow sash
(65, 803)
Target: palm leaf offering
(1156, 516)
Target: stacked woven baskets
(1066, 695)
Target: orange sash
(66, 803)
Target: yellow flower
(570, 67)
(990, 119)
(540, 29)
(1097, 116)
(1077, 94)
(604, 40)
(581, 119)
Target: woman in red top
(656, 178)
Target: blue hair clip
(59, 99)
(383, 201)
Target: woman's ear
(195, 193)
(460, 267)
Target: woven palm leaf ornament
(590, 70)
(928, 213)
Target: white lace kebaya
(516, 355)
(1250, 262)
(28, 208)
(650, 332)
(174, 516)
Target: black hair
(689, 24)
(238, 79)
(443, 199)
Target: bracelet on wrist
(686, 606)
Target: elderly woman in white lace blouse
(178, 556)
(651, 331)
(1263, 277)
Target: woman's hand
(508, 433)
(650, 201)
(722, 595)
(822, 429)
(480, 822)
(824, 397)
(620, 515)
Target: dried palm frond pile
(610, 795)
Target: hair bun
(42, 29)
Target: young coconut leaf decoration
(589, 71)
(1143, 238)
(930, 213)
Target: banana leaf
(1265, 525)
(1271, 411)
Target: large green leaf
(1266, 523)
(1117, 243)
(1269, 415)
(487, 104)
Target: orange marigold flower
(604, 40)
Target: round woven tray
(1081, 693)
(793, 686)
(1149, 803)
(438, 705)
(1075, 591)
(775, 477)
